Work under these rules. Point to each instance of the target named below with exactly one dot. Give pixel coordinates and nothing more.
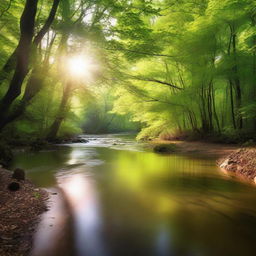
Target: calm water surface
(128, 201)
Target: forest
(168, 68)
(128, 127)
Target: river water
(127, 201)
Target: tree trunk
(27, 24)
(33, 87)
(237, 84)
(9, 66)
(232, 103)
(253, 85)
(214, 110)
(61, 114)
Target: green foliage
(164, 67)
(208, 50)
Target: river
(127, 201)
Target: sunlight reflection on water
(163, 241)
(83, 197)
(54, 229)
(83, 155)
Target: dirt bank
(19, 214)
(242, 162)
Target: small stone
(14, 186)
(18, 174)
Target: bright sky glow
(80, 66)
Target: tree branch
(157, 81)
(47, 24)
(6, 9)
(141, 53)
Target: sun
(80, 66)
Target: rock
(38, 145)
(18, 174)
(14, 186)
(69, 140)
(165, 148)
(79, 140)
(224, 164)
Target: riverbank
(19, 214)
(231, 158)
(242, 162)
(197, 147)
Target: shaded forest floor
(19, 214)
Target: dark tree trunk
(38, 38)
(27, 24)
(204, 110)
(253, 86)
(61, 114)
(232, 103)
(209, 107)
(237, 85)
(214, 110)
(9, 66)
(234, 81)
(33, 87)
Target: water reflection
(41, 166)
(163, 241)
(54, 236)
(81, 192)
(127, 202)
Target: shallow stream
(127, 201)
